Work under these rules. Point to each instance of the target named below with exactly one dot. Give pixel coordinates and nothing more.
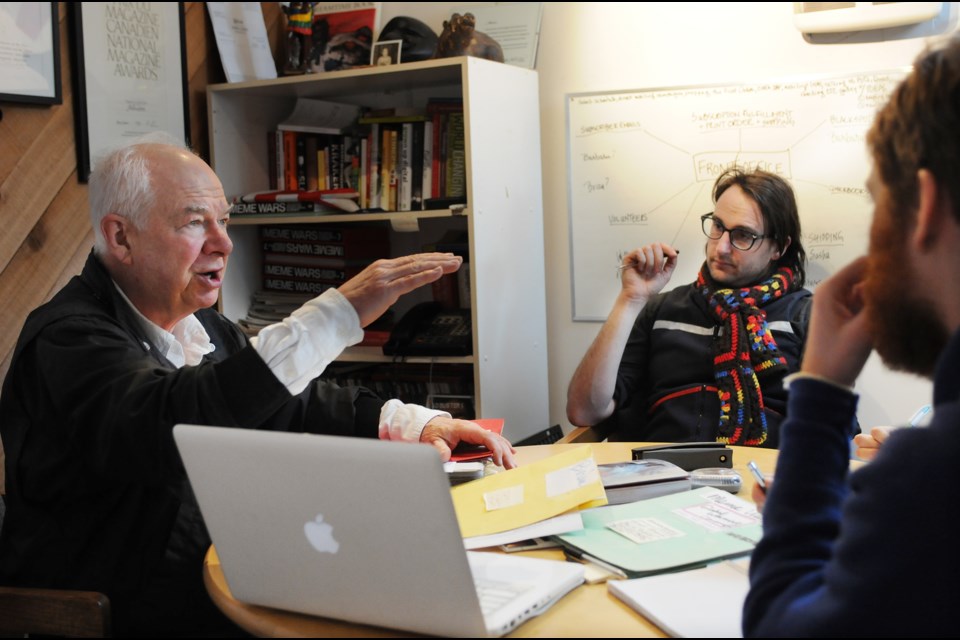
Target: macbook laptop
(355, 529)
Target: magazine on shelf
(343, 35)
(311, 115)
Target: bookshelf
(503, 216)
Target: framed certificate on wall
(30, 52)
(130, 66)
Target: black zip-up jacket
(666, 390)
(97, 497)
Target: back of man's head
(918, 128)
(778, 205)
(121, 182)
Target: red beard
(907, 333)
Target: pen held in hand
(920, 414)
(761, 481)
(634, 263)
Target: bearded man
(873, 552)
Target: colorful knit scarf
(744, 349)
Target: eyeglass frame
(716, 221)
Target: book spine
(319, 195)
(394, 169)
(385, 168)
(463, 285)
(456, 158)
(427, 190)
(301, 161)
(313, 261)
(290, 160)
(405, 173)
(311, 168)
(336, 163)
(324, 233)
(375, 166)
(348, 178)
(416, 167)
(296, 286)
(264, 208)
(272, 159)
(364, 173)
(347, 244)
(310, 273)
(281, 161)
(435, 154)
(327, 250)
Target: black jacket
(96, 495)
(666, 390)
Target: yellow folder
(529, 494)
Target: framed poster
(130, 65)
(30, 52)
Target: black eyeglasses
(741, 239)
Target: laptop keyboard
(494, 595)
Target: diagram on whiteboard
(642, 166)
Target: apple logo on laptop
(320, 535)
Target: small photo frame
(385, 52)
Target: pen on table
(761, 481)
(919, 415)
(633, 263)
(584, 557)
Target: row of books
(393, 162)
(300, 160)
(299, 262)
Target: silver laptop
(355, 529)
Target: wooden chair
(52, 612)
(581, 435)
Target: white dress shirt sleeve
(302, 345)
(400, 421)
(298, 348)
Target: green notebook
(668, 533)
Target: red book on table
(465, 452)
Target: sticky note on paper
(503, 498)
(528, 494)
(571, 478)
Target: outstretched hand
(376, 288)
(647, 270)
(445, 434)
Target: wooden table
(586, 611)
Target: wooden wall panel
(45, 233)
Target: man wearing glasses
(705, 361)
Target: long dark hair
(777, 203)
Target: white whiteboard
(642, 165)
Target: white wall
(611, 46)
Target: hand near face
(376, 288)
(446, 433)
(650, 270)
(839, 340)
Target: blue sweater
(869, 553)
